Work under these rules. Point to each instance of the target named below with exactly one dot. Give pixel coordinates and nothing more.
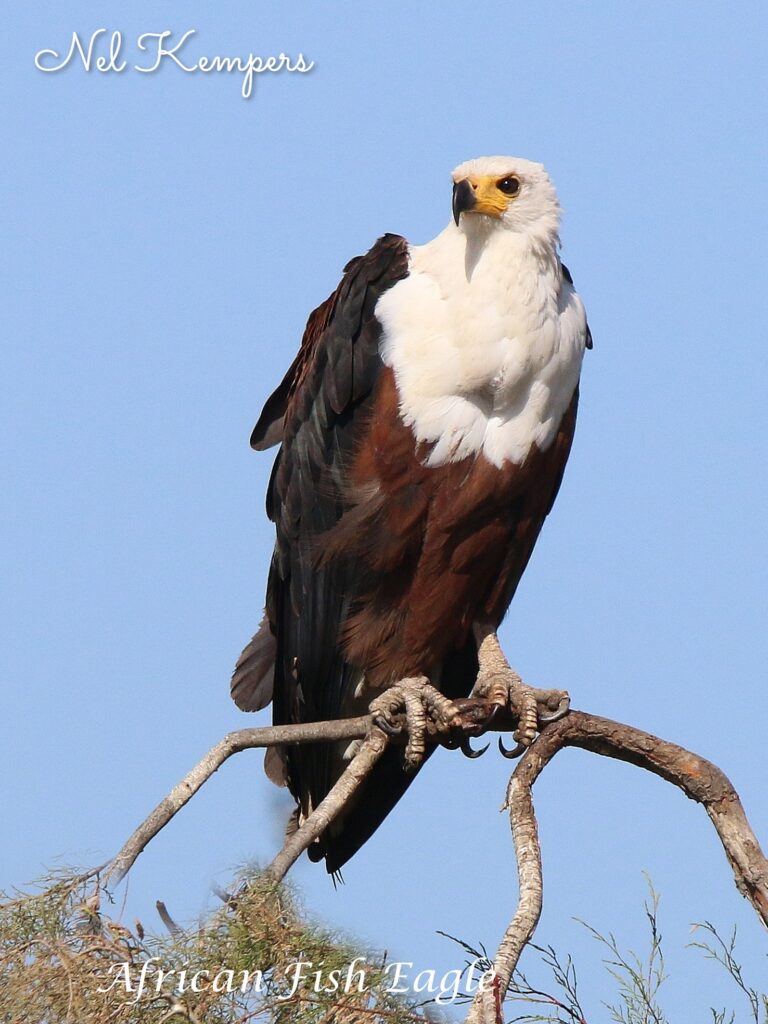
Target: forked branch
(233, 743)
(699, 779)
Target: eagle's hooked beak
(464, 198)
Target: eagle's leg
(418, 700)
(498, 683)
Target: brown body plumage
(438, 548)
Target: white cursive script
(154, 44)
(301, 976)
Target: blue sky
(164, 242)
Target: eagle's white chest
(486, 347)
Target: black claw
(385, 726)
(562, 709)
(511, 754)
(467, 751)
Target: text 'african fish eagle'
(424, 427)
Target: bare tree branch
(698, 778)
(233, 743)
(359, 767)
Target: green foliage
(65, 960)
(564, 1005)
(723, 952)
(639, 979)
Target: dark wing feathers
(569, 279)
(322, 408)
(269, 429)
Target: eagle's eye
(510, 185)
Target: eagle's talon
(516, 751)
(495, 709)
(387, 727)
(499, 683)
(418, 700)
(466, 748)
(562, 709)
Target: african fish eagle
(424, 427)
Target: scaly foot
(418, 700)
(499, 684)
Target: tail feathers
(389, 780)
(380, 792)
(254, 677)
(275, 766)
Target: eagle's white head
(506, 192)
